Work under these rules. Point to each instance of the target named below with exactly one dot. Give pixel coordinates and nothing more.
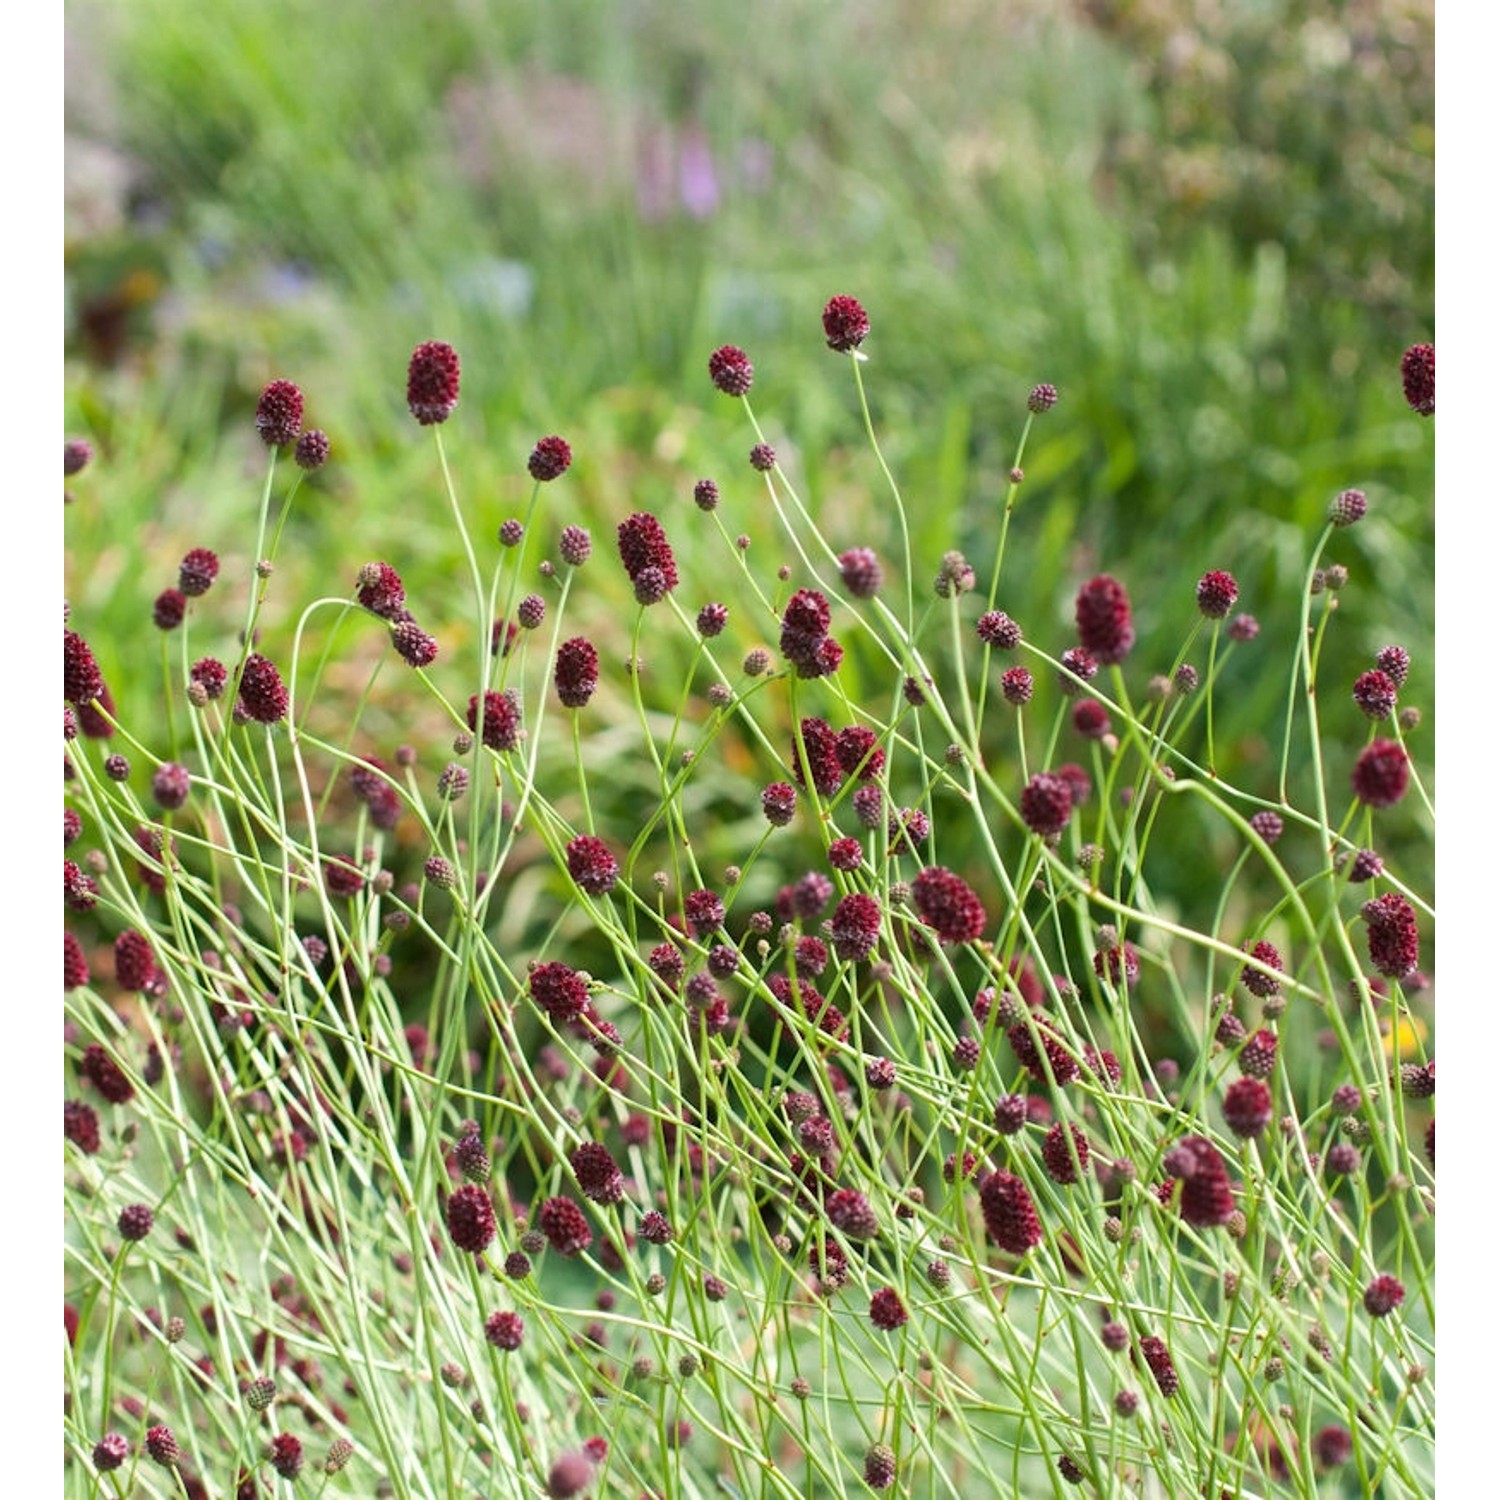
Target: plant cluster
(735, 1039)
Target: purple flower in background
(675, 169)
(697, 183)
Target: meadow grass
(813, 1051)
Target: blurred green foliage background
(1209, 224)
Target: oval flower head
(947, 905)
(1102, 614)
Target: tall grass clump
(715, 1007)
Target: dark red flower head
(1078, 662)
(342, 876)
(858, 753)
(101, 1070)
(1394, 662)
(171, 785)
(1391, 930)
(1091, 718)
(1206, 1198)
(816, 758)
(1103, 617)
(565, 1226)
(855, 927)
(1333, 1446)
(1120, 963)
(285, 1455)
(570, 1475)
(730, 370)
(76, 455)
(887, 1311)
(1347, 507)
(575, 546)
(1217, 592)
(593, 868)
(80, 891)
(1016, 686)
(505, 1330)
(1383, 1295)
(559, 990)
(81, 1126)
(861, 571)
(1258, 1055)
(1259, 983)
(549, 459)
(1010, 1216)
(850, 1213)
(1247, 1107)
(946, 904)
(432, 382)
(92, 720)
(599, 1179)
(845, 324)
(502, 719)
(136, 1221)
(1159, 1361)
(655, 1228)
(996, 628)
(1267, 824)
(1381, 773)
(82, 680)
(469, 1154)
(1046, 804)
(1374, 694)
(576, 673)
(880, 1466)
(1058, 1159)
(111, 1451)
(197, 571)
(278, 414)
(211, 675)
(1419, 379)
(413, 645)
(380, 590)
(471, 1218)
(75, 964)
(263, 695)
(377, 794)
(824, 662)
(804, 624)
(1010, 1114)
(312, 449)
(169, 608)
(1052, 1062)
(161, 1444)
(643, 544)
(704, 911)
(1102, 613)
(822, 1013)
(135, 964)
(779, 803)
(1042, 398)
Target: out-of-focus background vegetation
(1209, 224)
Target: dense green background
(1213, 231)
